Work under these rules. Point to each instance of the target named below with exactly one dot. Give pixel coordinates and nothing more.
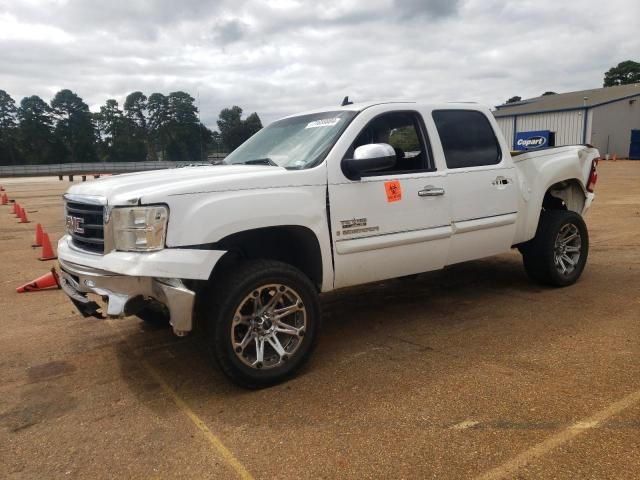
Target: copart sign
(533, 140)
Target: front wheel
(558, 253)
(263, 322)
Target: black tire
(230, 293)
(539, 254)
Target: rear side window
(467, 138)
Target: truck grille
(85, 224)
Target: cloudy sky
(282, 56)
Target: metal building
(608, 118)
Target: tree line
(158, 127)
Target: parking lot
(472, 372)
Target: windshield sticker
(325, 122)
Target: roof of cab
(358, 107)
(352, 107)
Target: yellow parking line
(224, 452)
(508, 468)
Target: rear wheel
(558, 253)
(263, 322)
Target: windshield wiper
(261, 161)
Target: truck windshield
(294, 143)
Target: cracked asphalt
(471, 372)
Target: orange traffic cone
(44, 282)
(5, 199)
(38, 241)
(1, 188)
(615, 157)
(17, 209)
(47, 249)
(13, 210)
(23, 216)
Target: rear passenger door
(483, 195)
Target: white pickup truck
(315, 202)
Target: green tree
(548, 93)
(624, 73)
(67, 131)
(135, 109)
(7, 110)
(206, 141)
(230, 126)
(182, 109)
(185, 132)
(36, 141)
(8, 130)
(252, 125)
(233, 130)
(118, 140)
(158, 122)
(74, 126)
(514, 99)
(110, 121)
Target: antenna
(345, 101)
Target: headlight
(139, 229)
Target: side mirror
(369, 158)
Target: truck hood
(157, 185)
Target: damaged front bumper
(124, 293)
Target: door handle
(431, 191)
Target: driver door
(390, 223)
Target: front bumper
(123, 292)
(189, 263)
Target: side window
(404, 132)
(405, 138)
(467, 138)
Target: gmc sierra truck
(315, 202)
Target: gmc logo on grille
(74, 224)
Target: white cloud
(13, 29)
(283, 56)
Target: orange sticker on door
(394, 191)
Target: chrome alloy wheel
(566, 251)
(268, 327)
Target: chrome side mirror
(369, 158)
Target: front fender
(201, 219)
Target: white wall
(506, 125)
(567, 125)
(612, 125)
